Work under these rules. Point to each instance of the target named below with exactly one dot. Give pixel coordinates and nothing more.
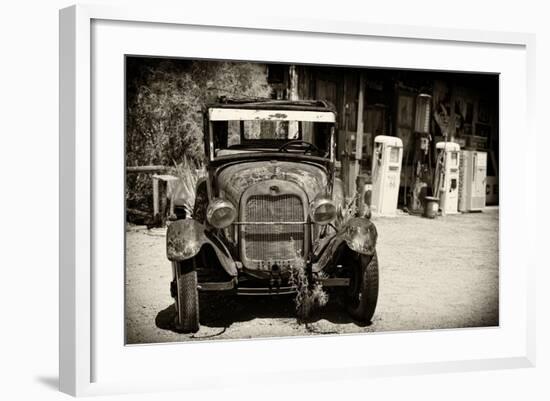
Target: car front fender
(185, 238)
(359, 234)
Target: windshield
(270, 130)
(273, 134)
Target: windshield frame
(215, 114)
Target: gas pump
(473, 169)
(386, 172)
(447, 176)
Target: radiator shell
(273, 225)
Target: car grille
(273, 241)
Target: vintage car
(271, 199)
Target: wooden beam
(147, 169)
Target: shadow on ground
(221, 311)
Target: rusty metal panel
(235, 179)
(185, 239)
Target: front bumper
(271, 287)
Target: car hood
(234, 180)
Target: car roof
(273, 104)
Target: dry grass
(309, 296)
(346, 211)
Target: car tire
(187, 298)
(363, 294)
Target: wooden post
(359, 132)
(163, 201)
(293, 95)
(293, 78)
(156, 196)
(356, 154)
(345, 155)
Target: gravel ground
(434, 274)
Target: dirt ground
(434, 274)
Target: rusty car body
(271, 200)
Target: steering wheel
(298, 144)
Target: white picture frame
(90, 355)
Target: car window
(238, 134)
(262, 130)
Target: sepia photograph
(275, 200)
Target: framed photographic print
(311, 188)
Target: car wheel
(187, 298)
(363, 291)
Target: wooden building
(420, 107)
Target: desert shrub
(164, 104)
(346, 211)
(309, 296)
(189, 173)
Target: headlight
(220, 213)
(322, 210)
